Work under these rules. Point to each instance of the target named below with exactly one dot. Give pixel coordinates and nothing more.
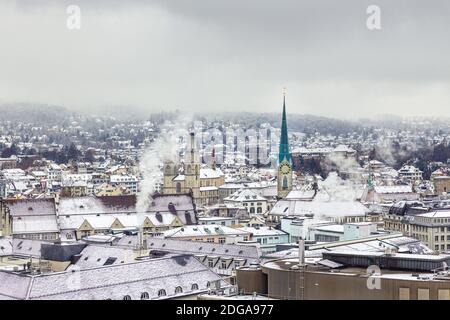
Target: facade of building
(410, 173)
(33, 219)
(248, 199)
(441, 184)
(267, 238)
(127, 181)
(346, 276)
(433, 229)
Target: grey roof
(61, 251)
(251, 253)
(114, 282)
(96, 256)
(5, 246)
(71, 208)
(292, 207)
(35, 224)
(27, 248)
(31, 207)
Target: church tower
(284, 158)
(192, 169)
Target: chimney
(301, 252)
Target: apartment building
(433, 229)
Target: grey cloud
(204, 55)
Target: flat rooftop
(287, 264)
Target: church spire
(283, 152)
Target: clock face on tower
(285, 168)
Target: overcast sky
(229, 55)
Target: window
(145, 296)
(259, 210)
(403, 294)
(110, 261)
(252, 210)
(161, 292)
(127, 297)
(285, 183)
(178, 289)
(178, 187)
(194, 287)
(223, 265)
(423, 294)
(443, 294)
(210, 263)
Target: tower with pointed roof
(284, 157)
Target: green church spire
(283, 152)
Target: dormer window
(178, 289)
(161, 293)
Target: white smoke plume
(343, 163)
(336, 189)
(164, 148)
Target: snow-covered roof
(208, 173)
(263, 231)
(27, 248)
(244, 195)
(286, 207)
(435, 214)
(343, 148)
(210, 188)
(203, 230)
(96, 256)
(393, 189)
(5, 246)
(336, 228)
(31, 207)
(196, 248)
(115, 281)
(34, 224)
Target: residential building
(433, 229)
(267, 237)
(250, 200)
